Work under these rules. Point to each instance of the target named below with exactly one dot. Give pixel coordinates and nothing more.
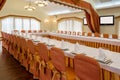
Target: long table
(109, 71)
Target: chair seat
(70, 73)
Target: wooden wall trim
(19, 16)
(2, 2)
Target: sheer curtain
(7, 24)
(18, 23)
(26, 24)
(35, 25)
(70, 25)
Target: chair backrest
(58, 59)
(43, 51)
(23, 31)
(29, 31)
(86, 68)
(34, 31)
(69, 32)
(105, 35)
(78, 33)
(24, 44)
(96, 34)
(31, 46)
(74, 33)
(40, 31)
(83, 33)
(114, 36)
(89, 34)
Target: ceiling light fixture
(29, 7)
(41, 3)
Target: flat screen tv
(104, 20)
(107, 20)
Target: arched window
(70, 25)
(18, 23)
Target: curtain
(70, 25)
(2, 2)
(35, 25)
(7, 25)
(16, 23)
(91, 15)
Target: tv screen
(107, 20)
(104, 20)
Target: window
(18, 23)
(26, 24)
(7, 24)
(70, 25)
(35, 25)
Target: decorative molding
(66, 4)
(19, 16)
(69, 18)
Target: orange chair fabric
(86, 68)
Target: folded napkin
(102, 55)
(76, 47)
(63, 44)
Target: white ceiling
(54, 9)
(101, 4)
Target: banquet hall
(59, 39)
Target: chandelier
(41, 3)
(29, 7)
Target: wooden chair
(73, 33)
(44, 70)
(23, 31)
(89, 34)
(29, 31)
(96, 34)
(78, 33)
(31, 56)
(34, 31)
(69, 32)
(105, 35)
(60, 71)
(86, 68)
(40, 31)
(83, 33)
(114, 36)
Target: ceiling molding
(72, 5)
(69, 18)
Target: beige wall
(109, 29)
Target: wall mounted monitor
(104, 20)
(107, 20)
